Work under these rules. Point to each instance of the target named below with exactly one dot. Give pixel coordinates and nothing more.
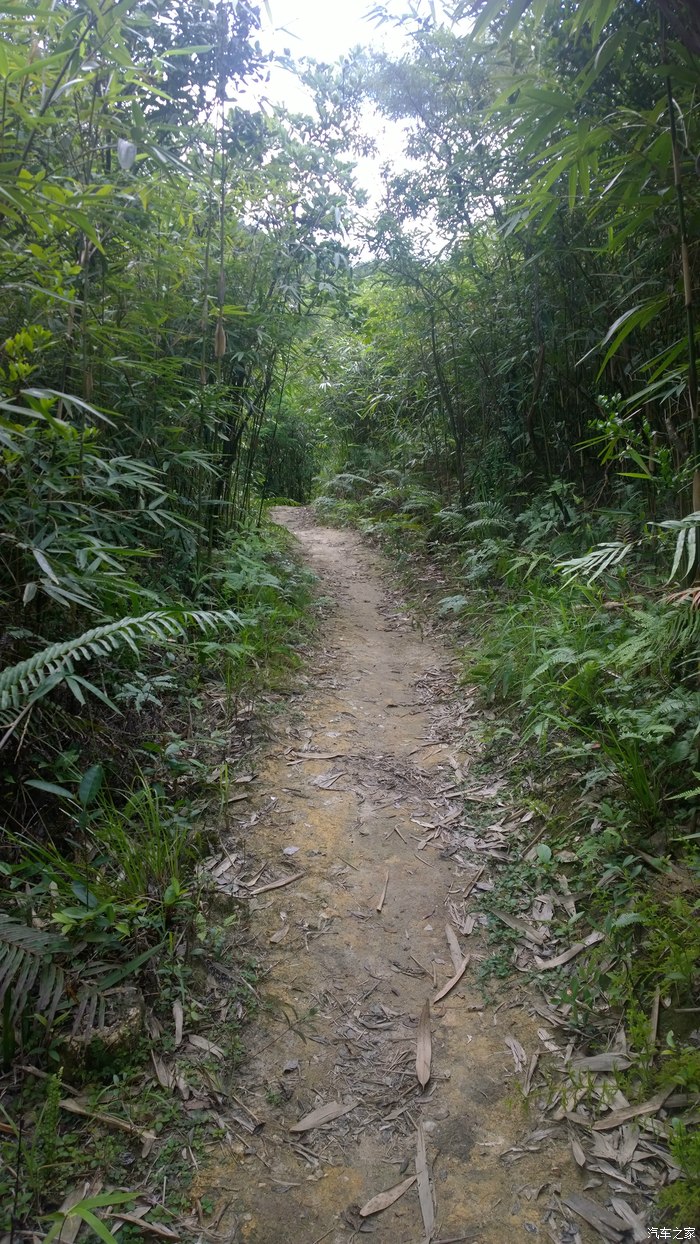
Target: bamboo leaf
(424, 1047)
(383, 1200)
(323, 1115)
(100, 1229)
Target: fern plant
(23, 684)
(28, 968)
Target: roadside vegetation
(160, 247)
(505, 395)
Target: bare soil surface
(361, 793)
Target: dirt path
(352, 981)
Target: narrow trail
(352, 981)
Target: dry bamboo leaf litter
(208, 1047)
(383, 1200)
(607, 1224)
(424, 1048)
(521, 926)
(527, 1078)
(158, 1229)
(571, 953)
(519, 1055)
(425, 1195)
(317, 756)
(276, 885)
(636, 1222)
(455, 948)
(602, 1062)
(178, 1017)
(454, 980)
(109, 1120)
(617, 1117)
(324, 1114)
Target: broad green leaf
(43, 562)
(103, 1199)
(91, 785)
(96, 1223)
(52, 788)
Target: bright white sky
(325, 31)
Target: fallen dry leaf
(454, 980)
(519, 1055)
(425, 1195)
(472, 882)
(384, 1199)
(455, 949)
(609, 1225)
(201, 1043)
(527, 1078)
(571, 953)
(164, 1075)
(276, 885)
(150, 1228)
(109, 1120)
(602, 1062)
(633, 1112)
(319, 755)
(521, 926)
(424, 1046)
(178, 1018)
(324, 1114)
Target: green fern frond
(660, 638)
(40, 673)
(28, 968)
(603, 557)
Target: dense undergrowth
(593, 696)
(110, 926)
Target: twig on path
(470, 884)
(382, 896)
(323, 1237)
(420, 965)
(276, 885)
(420, 857)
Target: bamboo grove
(161, 244)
